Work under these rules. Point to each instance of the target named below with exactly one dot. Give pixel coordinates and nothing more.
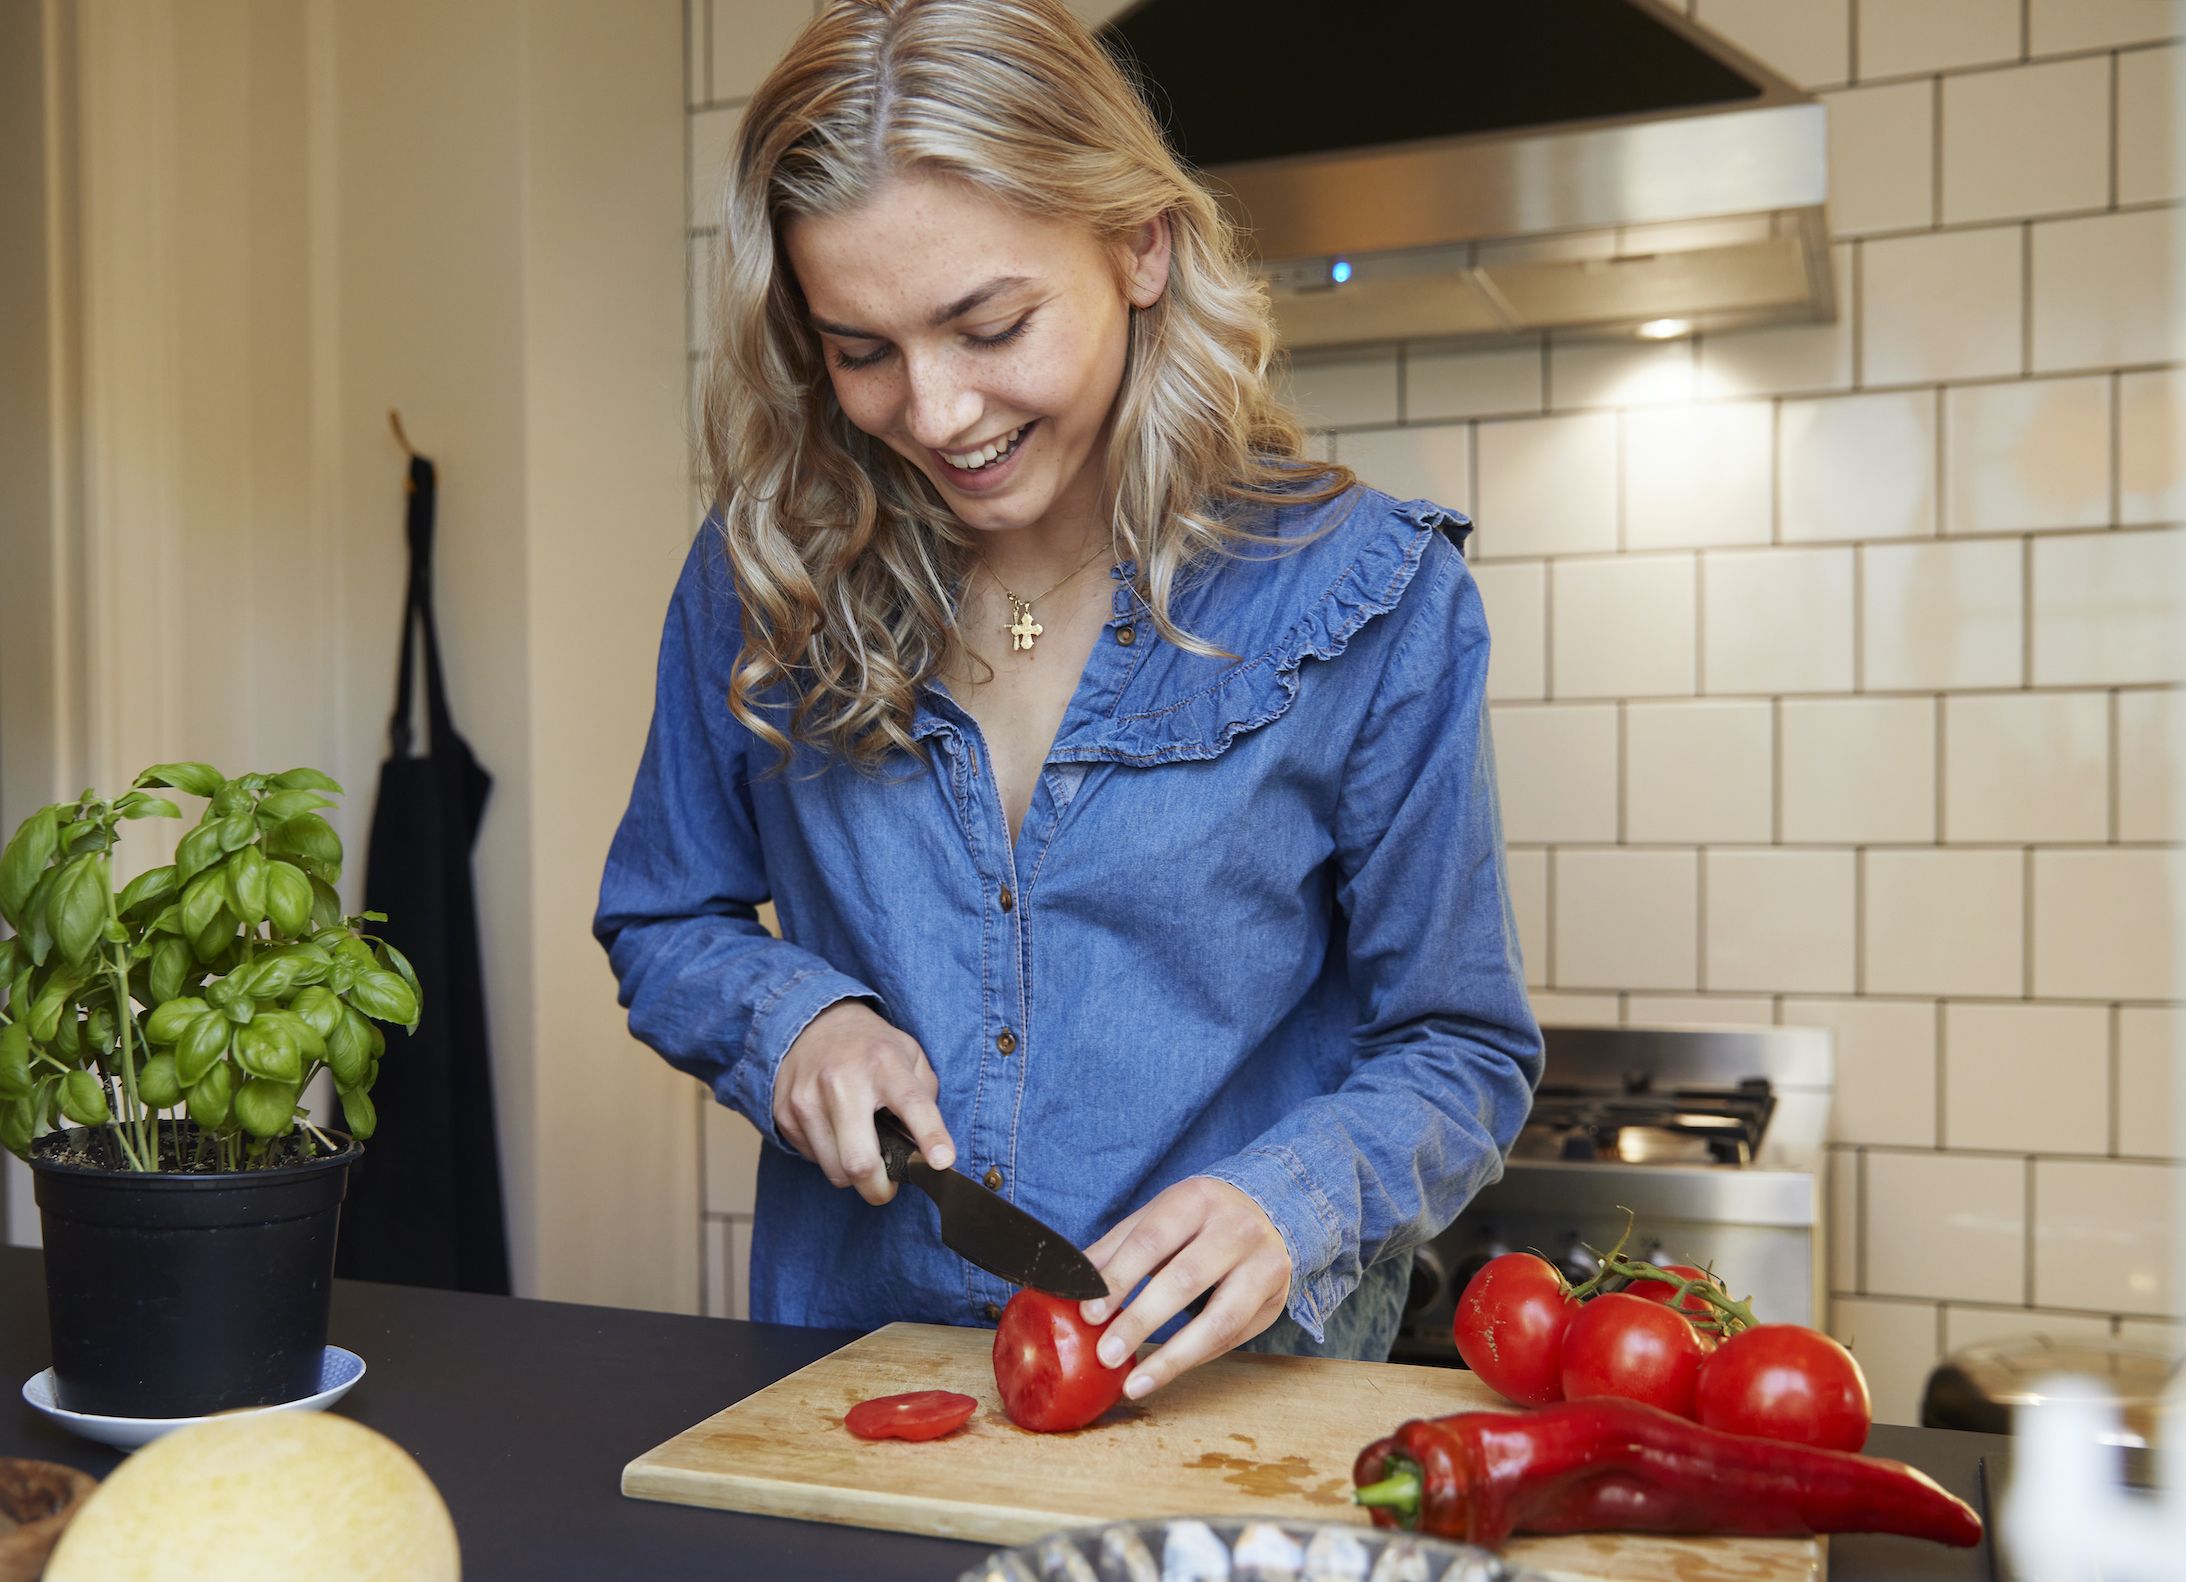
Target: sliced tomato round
(1046, 1365)
(921, 1414)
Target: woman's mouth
(985, 466)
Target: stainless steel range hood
(1480, 169)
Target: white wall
(1836, 668)
(294, 217)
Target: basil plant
(214, 987)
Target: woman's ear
(1146, 263)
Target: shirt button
(1127, 635)
(994, 1314)
(1008, 901)
(993, 1179)
(1006, 1041)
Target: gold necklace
(1022, 629)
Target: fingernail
(1095, 1311)
(1111, 1352)
(1139, 1384)
(943, 1158)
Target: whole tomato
(1510, 1327)
(1045, 1364)
(1625, 1346)
(1692, 1304)
(1785, 1381)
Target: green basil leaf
(357, 1110)
(18, 1119)
(197, 851)
(15, 1060)
(267, 1049)
(137, 805)
(215, 936)
(347, 1049)
(247, 886)
(288, 897)
(319, 1007)
(326, 906)
(45, 1011)
(279, 806)
(265, 1107)
(36, 841)
(202, 900)
(196, 778)
(384, 995)
(157, 1083)
(148, 889)
(391, 957)
(167, 1024)
(237, 831)
(77, 908)
(306, 780)
(308, 1042)
(83, 1100)
(210, 1097)
(171, 963)
(200, 1047)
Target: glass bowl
(1232, 1549)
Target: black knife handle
(897, 1150)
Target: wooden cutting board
(1242, 1435)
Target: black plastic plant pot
(177, 1294)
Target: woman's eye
(1006, 336)
(845, 359)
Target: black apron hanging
(424, 1207)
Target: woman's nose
(942, 409)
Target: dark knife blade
(989, 1231)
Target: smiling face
(984, 346)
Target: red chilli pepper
(1605, 1465)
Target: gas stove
(1712, 1137)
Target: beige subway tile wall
(1836, 667)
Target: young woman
(1120, 777)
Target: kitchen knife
(987, 1230)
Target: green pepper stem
(1397, 1493)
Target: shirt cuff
(748, 1085)
(1311, 1229)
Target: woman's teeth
(993, 450)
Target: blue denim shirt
(1259, 925)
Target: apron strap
(417, 611)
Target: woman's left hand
(1200, 1235)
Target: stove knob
(1488, 1250)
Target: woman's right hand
(846, 1064)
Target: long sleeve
(1446, 1052)
(705, 984)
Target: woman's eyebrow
(955, 310)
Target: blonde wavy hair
(846, 560)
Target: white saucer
(339, 1371)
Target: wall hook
(394, 421)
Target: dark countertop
(524, 1413)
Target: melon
(263, 1498)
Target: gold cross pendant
(1024, 629)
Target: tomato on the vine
(1625, 1346)
(1510, 1327)
(1046, 1366)
(1692, 1304)
(1785, 1381)
(920, 1414)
